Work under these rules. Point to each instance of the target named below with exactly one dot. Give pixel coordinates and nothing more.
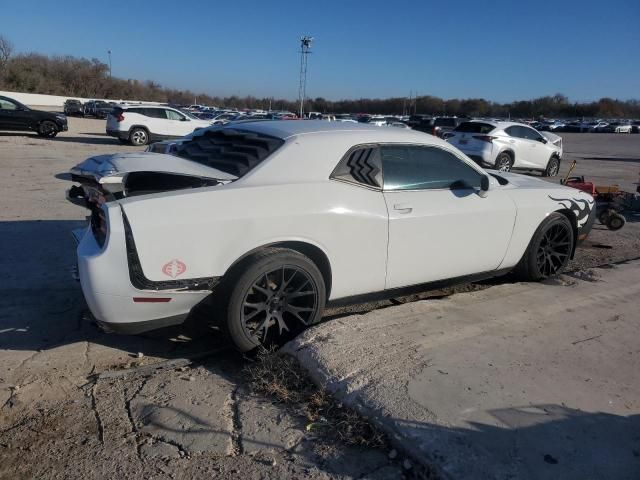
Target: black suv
(16, 116)
(73, 107)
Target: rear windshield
(229, 150)
(474, 127)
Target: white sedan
(508, 145)
(273, 220)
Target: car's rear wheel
(138, 137)
(273, 295)
(504, 162)
(48, 129)
(552, 167)
(549, 251)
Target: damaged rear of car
(105, 183)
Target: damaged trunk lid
(128, 174)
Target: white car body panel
(370, 244)
(440, 221)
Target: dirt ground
(197, 420)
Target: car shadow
(543, 441)
(87, 140)
(42, 307)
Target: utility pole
(305, 50)
(109, 52)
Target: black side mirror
(484, 186)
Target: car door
(519, 146)
(13, 116)
(156, 121)
(439, 225)
(539, 152)
(179, 124)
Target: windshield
(190, 115)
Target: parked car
(635, 126)
(277, 219)
(73, 107)
(139, 125)
(102, 109)
(508, 145)
(618, 127)
(18, 117)
(597, 127)
(441, 126)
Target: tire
(504, 162)
(615, 221)
(261, 312)
(549, 250)
(138, 137)
(603, 216)
(552, 167)
(47, 129)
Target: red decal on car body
(174, 268)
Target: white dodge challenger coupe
(277, 219)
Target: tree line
(90, 78)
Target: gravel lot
(56, 421)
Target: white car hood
(517, 180)
(119, 164)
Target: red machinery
(611, 202)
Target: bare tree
(6, 48)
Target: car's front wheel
(549, 251)
(552, 167)
(48, 129)
(273, 295)
(139, 137)
(504, 162)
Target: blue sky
(500, 50)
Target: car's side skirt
(412, 289)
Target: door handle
(403, 208)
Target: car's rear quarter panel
(209, 229)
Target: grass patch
(281, 378)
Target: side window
(155, 113)
(514, 131)
(172, 115)
(139, 111)
(423, 168)
(530, 134)
(7, 105)
(360, 165)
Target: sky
(499, 50)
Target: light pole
(109, 52)
(305, 50)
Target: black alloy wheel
(279, 301)
(554, 249)
(270, 297)
(48, 129)
(549, 250)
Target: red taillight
(484, 138)
(120, 117)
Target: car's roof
(500, 124)
(286, 129)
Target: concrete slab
(192, 411)
(265, 426)
(516, 381)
